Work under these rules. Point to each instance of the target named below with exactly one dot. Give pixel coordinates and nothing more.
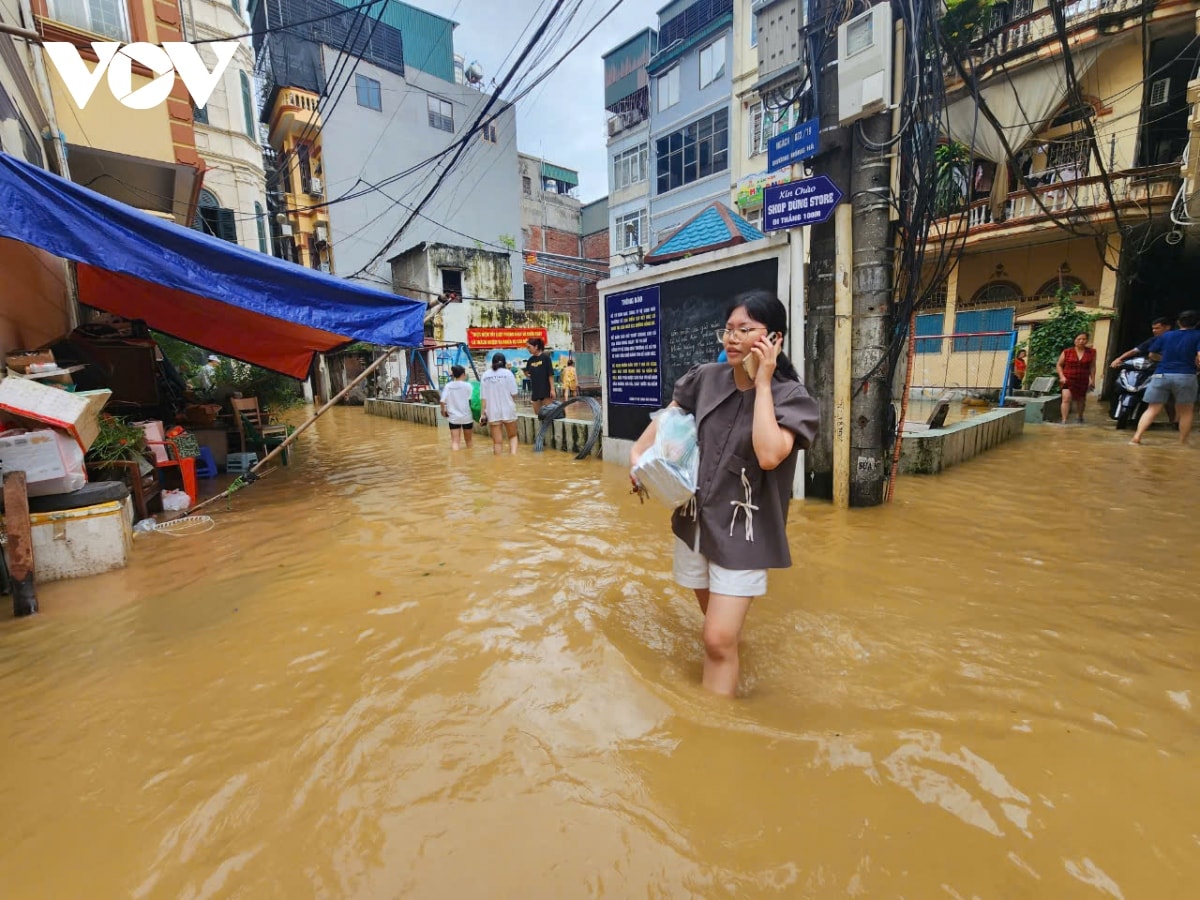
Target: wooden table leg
(19, 531)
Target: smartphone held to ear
(750, 361)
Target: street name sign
(807, 202)
(792, 146)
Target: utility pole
(849, 461)
(833, 160)
(871, 402)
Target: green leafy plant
(118, 440)
(964, 21)
(1049, 339)
(951, 163)
(274, 391)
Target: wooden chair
(253, 431)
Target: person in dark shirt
(1178, 356)
(1159, 326)
(540, 370)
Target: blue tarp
(231, 288)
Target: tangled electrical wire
(920, 271)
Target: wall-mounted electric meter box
(865, 64)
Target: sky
(563, 120)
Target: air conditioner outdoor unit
(321, 230)
(315, 188)
(615, 126)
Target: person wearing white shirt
(456, 406)
(498, 399)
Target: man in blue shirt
(1178, 356)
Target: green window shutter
(262, 227)
(226, 226)
(247, 104)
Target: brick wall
(595, 246)
(551, 293)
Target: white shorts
(693, 570)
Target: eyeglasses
(737, 334)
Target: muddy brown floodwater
(395, 672)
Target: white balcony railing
(1085, 195)
(1038, 27)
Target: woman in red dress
(1077, 373)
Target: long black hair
(765, 307)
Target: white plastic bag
(176, 500)
(667, 471)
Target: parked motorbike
(1132, 380)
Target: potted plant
(118, 443)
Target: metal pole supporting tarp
(253, 473)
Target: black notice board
(691, 311)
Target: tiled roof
(712, 228)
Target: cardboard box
(78, 414)
(19, 361)
(154, 432)
(52, 461)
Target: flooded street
(395, 672)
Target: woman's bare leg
(512, 436)
(497, 431)
(723, 619)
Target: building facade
(1084, 203)
(36, 301)
(627, 101)
(232, 203)
(759, 111)
(550, 234)
(594, 223)
(346, 191)
(146, 158)
(690, 81)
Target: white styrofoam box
(72, 543)
(154, 432)
(77, 413)
(52, 461)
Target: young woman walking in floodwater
(1077, 373)
(498, 404)
(753, 417)
(456, 406)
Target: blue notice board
(807, 202)
(634, 324)
(793, 146)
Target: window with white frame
(441, 114)
(488, 132)
(712, 62)
(105, 17)
(631, 167)
(632, 229)
(693, 152)
(369, 92)
(754, 216)
(668, 89)
(767, 123)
